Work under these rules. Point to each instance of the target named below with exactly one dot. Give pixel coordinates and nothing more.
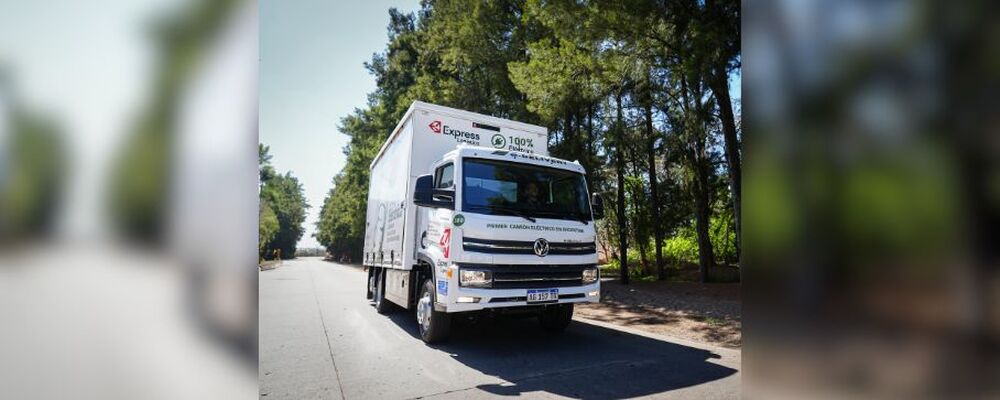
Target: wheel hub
(424, 311)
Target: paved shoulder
(295, 359)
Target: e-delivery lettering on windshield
(535, 227)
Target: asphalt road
(321, 339)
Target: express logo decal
(445, 242)
(459, 135)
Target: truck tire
(434, 325)
(370, 288)
(382, 306)
(556, 318)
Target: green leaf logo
(499, 141)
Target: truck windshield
(505, 188)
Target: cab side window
(444, 177)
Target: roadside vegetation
(139, 193)
(282, 210)
(33, 168)
(638, 92)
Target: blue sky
(311, 75)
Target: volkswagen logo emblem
(541, 247)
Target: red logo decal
(436, 126)
(445, 242)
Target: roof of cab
(517, 156)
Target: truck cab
(506, 229)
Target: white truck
(467, 213)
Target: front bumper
(500, 298)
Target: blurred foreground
(109, 323)
(128, 199)
(872, 202)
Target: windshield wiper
(514, 211)
(577, 216)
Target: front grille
(537, 277)
(525, 247)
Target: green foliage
(32, 173)
(341, 226)
(265, 169)
(139, 184)
(267, 226)
(588, 71)
(683, 246)
(456, 55)
(613, 268)
(554, 78)
(139, 192)
(282, 211)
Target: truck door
(435, 224)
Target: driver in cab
(531, 194)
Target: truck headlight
(475, 278)
(590, 275)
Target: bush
(613, 268)
(683, 247)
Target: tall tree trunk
(640, 231)
(720, 86)
(654, 191)
(591, 173)
(640, 234)
(620, 167)
(696, 159)
(702, 215)
(581, 142)
(568, 134)
(588, 144)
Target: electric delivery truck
(468, 213)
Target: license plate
(543, 295)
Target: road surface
(321, 339)
(92, 320)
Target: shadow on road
(585, 361)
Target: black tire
(438, 323)
(556, 318)
(382, 306)
(370, 289)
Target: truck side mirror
(597, 205)
(425, 195)
(422, 192)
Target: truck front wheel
(556, 318)
(434, 325)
